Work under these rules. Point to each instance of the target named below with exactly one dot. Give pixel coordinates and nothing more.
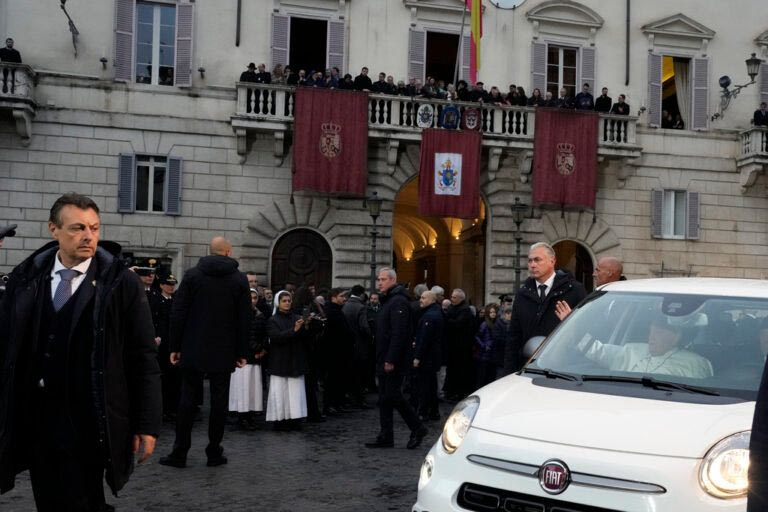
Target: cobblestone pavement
(324, 467)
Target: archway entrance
(301, 256)
(574, 257)
(442, 251)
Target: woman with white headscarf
(288, 338)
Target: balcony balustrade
(753, 155)
(269, 108)
(17, 86)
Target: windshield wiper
(552, 374)
(650, 382)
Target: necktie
(542, 292)
(64, 289)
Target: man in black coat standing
(427, 354)
(356, 314)
(210, 330)
(760, 117)
(757, 499)
(603, 102)
(460, 329)
(363, 81)
(533, 313)
(80, 391)
(393, 340)
(337, 347)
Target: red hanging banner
(330, 141)
(565, 158)
(449, 173)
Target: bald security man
(210, 329)
(608, 270)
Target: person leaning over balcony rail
(278, 74)
(584, 100)
(363, 81)
(760, 117)
(603, 102)
(621, 107)
(536, 100)
(9, 54)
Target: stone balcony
(753, 155)
(269, 108)
(17, 87)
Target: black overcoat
(429, 338)
(125, 377)
(211, 316)
(356, 314)
(393, 330)
(288, 349)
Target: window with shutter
(764, 82)
(539, 67)
(173, 186)
(417, 49)
(654, 89)
(692, 216)
(466, 48)
(336, 45)
(126, 184)
(588, 68)
(657, 209)
(700, 103)
(123, 60)
(185, 16)
(280, 37)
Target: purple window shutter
(280, 37)
(126, 183)
(466, 49)
(539, 67)
(125, 11)
(700, 102)
(588, 68)
(417, 51)
(764, 82)
(654, 89)
(173, 186)
(336, 45)
(657, 209)
(692, 216)
(185, 17)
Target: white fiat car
(641, 401)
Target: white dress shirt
(76, 282)
(548, 284)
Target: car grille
(487, 499)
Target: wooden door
(301, 257)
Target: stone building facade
(683, 202)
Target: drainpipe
(626, 57)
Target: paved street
(325, 467)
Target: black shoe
(173, 461)
(381, 442)
(416, 437)
(316, 419)
(216, 460)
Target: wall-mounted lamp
(103, 61)
(201, 70)
(726, 95)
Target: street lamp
(726, 95)
(374, 209)
(518, 212)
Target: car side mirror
(531, 346)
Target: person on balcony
(522, 99)
(363, 81)
(760, 118)
(263, 76)
(549, 101)
(511, 96)
(536, 100)
(497, 99)
(478, 93)
(621, 107)
(9, 54)
(249, 75)
(347, 83)
(603, 102)
(462, 90)
(564, 101)
(278, 74)
(411, 89)
(584, 100)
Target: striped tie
(64, 289)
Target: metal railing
(399, 113)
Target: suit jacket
(760, 118)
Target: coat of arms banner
(449, 173)
(330, 141)
(565, 158)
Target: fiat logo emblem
(554, 476)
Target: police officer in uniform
(161, 315)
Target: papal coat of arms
(448, 174)
(449, 118)
(565, 160)
(471, 119)
(330, 140)
(425, 115)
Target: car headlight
(427, 468)
(724, 469)
(458, 423)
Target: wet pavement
(324, 467)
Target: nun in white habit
(289, 336)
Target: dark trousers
(191, 396)
(9, 85)
(426, 380)
(390, 399)
(310, 388)
(485, 373)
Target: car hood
(514, 406)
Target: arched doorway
(575, 258)
(301, 256)
(443, 251)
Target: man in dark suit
(603, 102)
(210, 330)
(393, 341)
(534, 310)
(82, 387)
(621, 107)
(760, 118)
(427, 354)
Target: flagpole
(461, 42)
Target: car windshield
(715, 343)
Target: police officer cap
(169, 279)
(8, 231)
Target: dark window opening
(442, 50)
(675, 74)
(309, 39)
